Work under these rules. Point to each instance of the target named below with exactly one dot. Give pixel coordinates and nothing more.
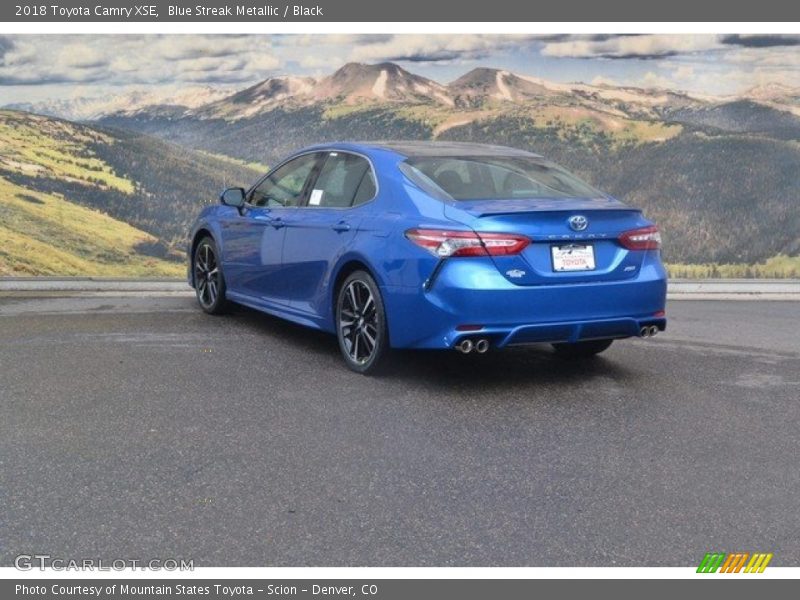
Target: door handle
(341, 226)
(277, 223)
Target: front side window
(345, 180)
(286, 184)
(495, 178)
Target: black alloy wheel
(209, 284)
(361, 323)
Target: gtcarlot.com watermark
(44, 562)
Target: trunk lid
(547, 223)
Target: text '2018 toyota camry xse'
(432, 245)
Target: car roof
(413, 148)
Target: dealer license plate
(573, 257)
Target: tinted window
(285, 185)
(344, 180)
(495, 178)
(366, 190)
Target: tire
(361, 323)
(582, 349)
(209, 282)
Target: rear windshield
(495, 178)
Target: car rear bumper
(571, 331)
(473, 295)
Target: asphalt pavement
(139, 427)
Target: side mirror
(233, 197)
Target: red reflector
(661, 313)
(444, 243)
(646, 238)
(469, 327)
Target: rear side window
(345, 180)
(495, 178)
(366, 190)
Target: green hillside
(777, 267)
(78, 200)
(44, 234)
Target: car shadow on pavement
(532, 364)
(535, 364)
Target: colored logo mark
(734, 562)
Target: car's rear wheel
(209, 283)
(582, 349)
(361, 323)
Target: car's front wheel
(209, 284)
(582, 349)
(361, 323)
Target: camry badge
(578, 222)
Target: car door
(324, 228)
(253, 241)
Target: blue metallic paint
(290, 270)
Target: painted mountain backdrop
(721, 175)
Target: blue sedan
(432, 245)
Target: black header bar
(406, 11)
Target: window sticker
(316, 198)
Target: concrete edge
(91, 284)
(679, 289)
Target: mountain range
(88, 108)
(356, 83)
(721, 175)
(622, 112)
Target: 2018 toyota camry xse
(432, 245)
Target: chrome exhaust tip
(653, 330)
(644, 331)
(482, 346)
(465, 346)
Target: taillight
(444, 243)
(646, 238)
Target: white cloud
(654, 80)
(81, 56)
(772, 57)
(429, 48)
(684, 73)
(263, 62)
(147, 60)
(314, 61)
(637, 46)
(182, 47)
(603, 80)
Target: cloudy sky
(36, 68)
